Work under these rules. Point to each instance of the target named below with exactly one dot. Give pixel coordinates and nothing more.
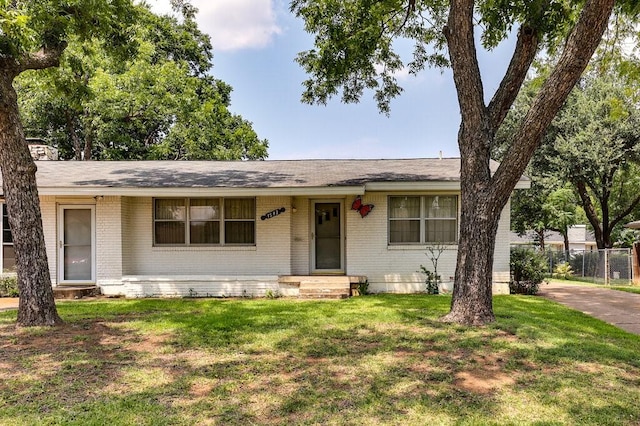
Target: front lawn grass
(628, 289)
(364, 361)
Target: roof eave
(413, 186)
(200, 192)
(450, 185)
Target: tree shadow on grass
(378, 359)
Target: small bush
(363, 287)
(524, 287)
(431, 281)
(528, 270)
(9, 286)
(272, 294)
(563, 271)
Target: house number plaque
(272, 213)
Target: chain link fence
(608, 266)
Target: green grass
(623, 286)
(364, 361)
(628, 289)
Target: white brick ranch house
(217, 228)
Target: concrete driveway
(619, 308)
(8, 303)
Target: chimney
(40, 151)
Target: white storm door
(76, 244)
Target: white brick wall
(395, 268)
(109, 241)
(300, 237)
(502, 253)
(270, 255)
(127, 205)
(203, 286)
(125, 248)
(49, 225)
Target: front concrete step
(325, 288)
(75, 292)
(323, 293)
(322, 286)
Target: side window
(441, 219)
(423, 219)
(404, 220)
(8, 254)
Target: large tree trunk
(37, 306)
(483, 196)
(472, 296)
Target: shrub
(528, 270)
(272, 294)
(9, 286)
(431, 280)
(563, 271)
(363, 286)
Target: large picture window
(204, 221)
(423, 219)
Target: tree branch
(579, 47)
(464, 61)
(625, 212)
(523, 55)
(411, 7)
(46, 57)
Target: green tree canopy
(546, 206)
(160, 103)
(593, 146)
(354, 51)
(597, 148)
(33, 36)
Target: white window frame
(423, 218)
(187, 221)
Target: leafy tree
(562, 210)
(158, 104)
(592, 146)
(354, 51)
(33, 36)
(597, 149)
(543, 208)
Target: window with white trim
(204, 221)
(8, 253)
(423, 219)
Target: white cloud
(233, 24)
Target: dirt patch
(487, 376)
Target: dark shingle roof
(243, 174)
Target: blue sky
(255, 44)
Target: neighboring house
(215, 228)
(580, 239)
